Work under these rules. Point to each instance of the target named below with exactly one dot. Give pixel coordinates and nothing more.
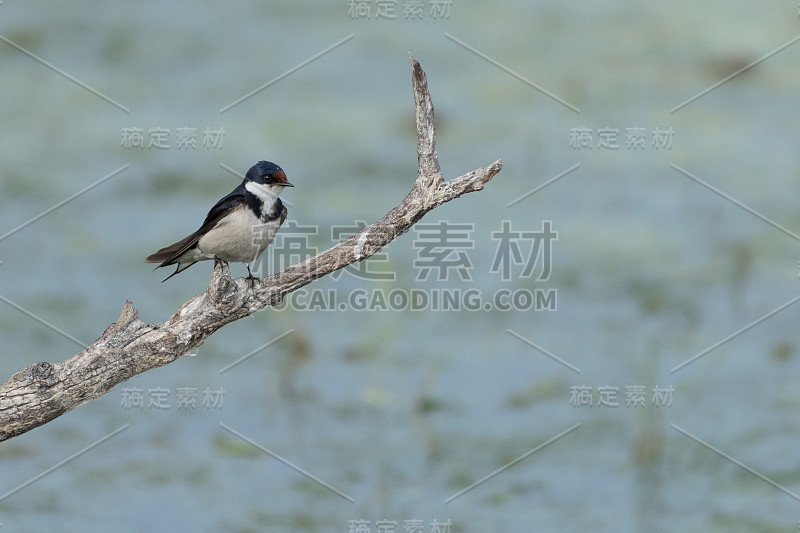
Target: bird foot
(223, 265)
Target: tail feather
(178, 270)
(169, 255)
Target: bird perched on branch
(238, 228)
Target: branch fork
(43, 391)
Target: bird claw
(221, 263)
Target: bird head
(266, 177)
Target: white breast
(239, 237)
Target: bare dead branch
(43, 391)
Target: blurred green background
(400, 410)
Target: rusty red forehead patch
(280, 176)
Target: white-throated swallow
(238, 228)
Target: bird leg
(250, 276)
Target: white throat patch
(265, 193)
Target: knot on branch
(42, 374)
(222, 289)
(38, 375)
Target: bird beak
(286, 184)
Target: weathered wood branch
(43, 391)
